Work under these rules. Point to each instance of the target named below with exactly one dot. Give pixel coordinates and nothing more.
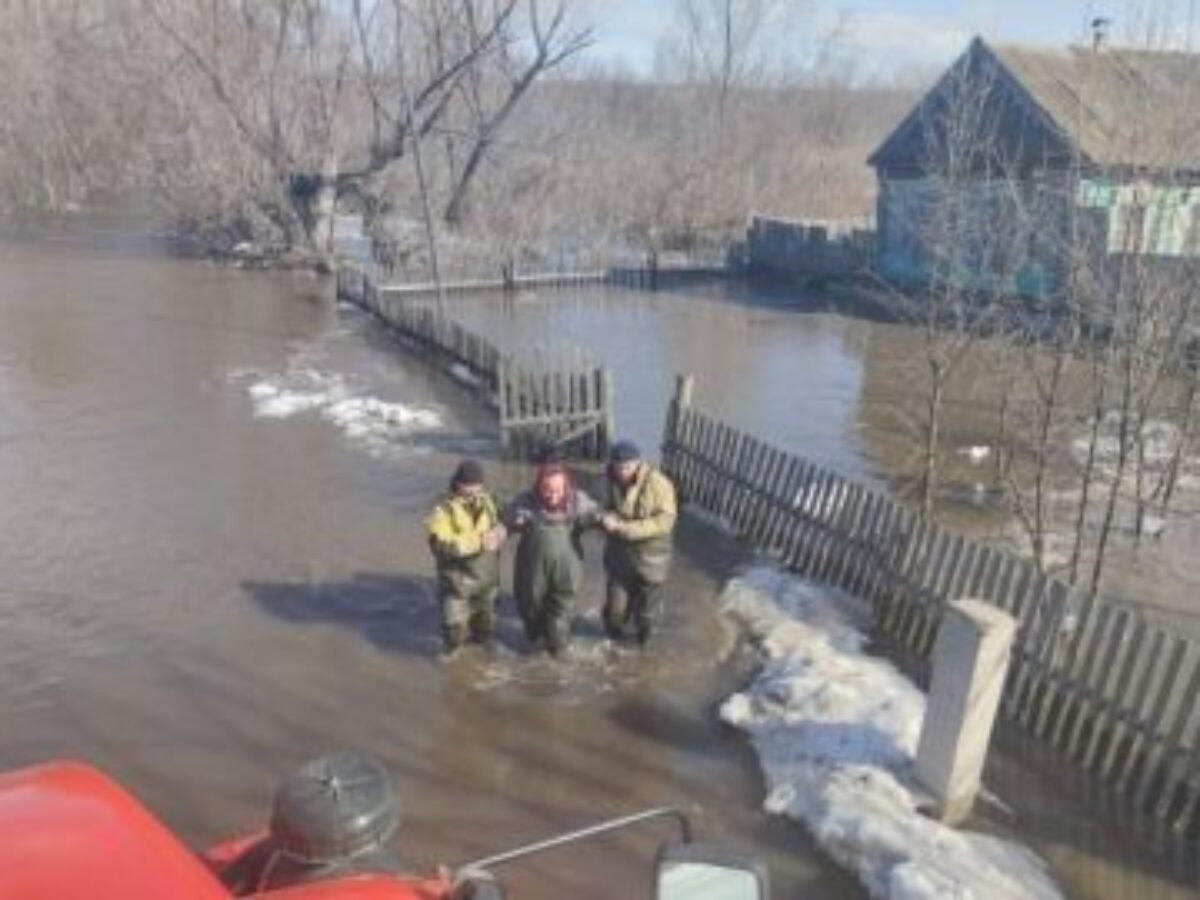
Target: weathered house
(1020, 159)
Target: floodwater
(212, 569)
(840, 391)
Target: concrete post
(970, 663)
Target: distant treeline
(248, 121)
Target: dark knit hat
(469, 471)
(624, 451)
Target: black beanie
(624, 451)
(469, 471)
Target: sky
(880, 38)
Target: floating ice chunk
(365, 419)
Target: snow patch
(836, 731)
(375, 424)
(975, 453)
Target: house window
(1127, 231)
(1191, 241)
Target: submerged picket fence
(1107, 688)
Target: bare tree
(294, 80)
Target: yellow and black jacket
(455, 529)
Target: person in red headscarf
(548, 571)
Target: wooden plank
(927, 539)
(694, 441)
(714, 453)
(778, 531)
(863, 559)
(1159, 706)
(909, 551)
(1179, 768)
(848, 541)
(1004, 585)
(944, 551)
(821, 502)
(829, 538)
(792, 527)
(805, 539)
(731, 449)
(1114, 722)
(760, 507)
(838, 529)
(1038, 649)
(982, 577)
(1139, 711)
(1089, 696)
(710, 490)
(825, 538)
(1066, 677)
(1187, 818)
(742, 480)
(808, 549)
(931, 562)
(681, 456)
(956, 586)
(885, 536)
(779, 469)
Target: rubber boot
(614, 613)
(482, 625)
(558, 636)
(452, 640)
(644, 630)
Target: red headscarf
(545, 472)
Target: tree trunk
(929, 462)
(324, 208)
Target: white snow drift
(836, 732)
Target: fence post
(970, 662)
(504, 398)
(681, 402)
(607, 416)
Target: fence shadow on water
(1111, 692)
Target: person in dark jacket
(548, 570)
(639, 518)
(465, 542)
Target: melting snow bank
(367, 420)
(836, 731)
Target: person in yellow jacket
(639, 519)
(465, 542)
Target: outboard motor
(335, 816)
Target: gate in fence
(549, 398)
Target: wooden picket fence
(556, 398)
(1112, 691)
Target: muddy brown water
(197, 599)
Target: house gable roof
(1116, 107)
